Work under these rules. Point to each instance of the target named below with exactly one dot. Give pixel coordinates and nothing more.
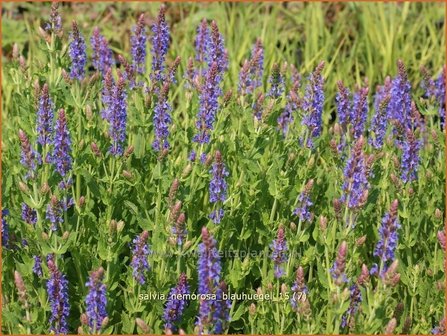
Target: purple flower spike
(160, 46)
(257, 65)
(179, 229)
(29, 158)
(162, 120)
(355, 186)
(218, 186)
(5, 228)
(279, 252)
(45, 115)
(410, 157)
(338, 269)
(252, 71)
(102, 55)
(276, 82)
(440, 94)
(208, 100)
(387, 243)
(293, 102)
(55, 212)
(77, 53)
(57, 288)
(29, 215)
(96, 300)
(400, 103)
(209, 269)
(176, 303)
(108, 84)
(138, 46)
(216, 52)
(201, 42)
(55, 23)
(348, 318)
(37, 267)
(304, 202)
(222, 311)
(118, 117)
(258, 106)
(140, 253)
(313, 104)
(379, 122)
(359, 111)
(60, 156)
(299, 289)
(244, 78)
(343, 99)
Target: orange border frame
(335, 1)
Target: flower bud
(438, 214)
(283, 288)
(175, 211)
(337, 129)
(227, 97)
(88, 112)
(15, 51)
(337, 207)
(23, 187)
(292, 156)
(127, 174)
(209, 160)
(345, 294)
(84, 319)
(360, 241)
(333, 146)
(20, 285)
(187, 245)
(95, 149)
(187, 170)
(44, 236)
(292, 226)
(363, 278)
(407, 326)
(389, 330)
(45, 188)
(259, 291)
(105, 322)
(323, 223)
(142, 325)
(66, 77)
(173, 190)
(129, 151)
(252, 309)
(120, 226)
(65, 235)
(44, 35)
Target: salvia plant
(170, 169)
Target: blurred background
(356, 40)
